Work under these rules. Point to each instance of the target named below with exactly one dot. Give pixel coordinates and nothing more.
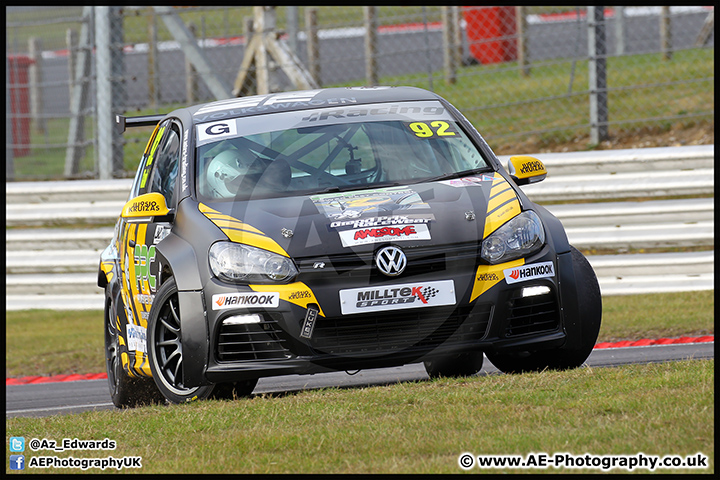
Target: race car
(333, 229)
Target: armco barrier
(56, 266)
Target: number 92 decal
(437, 128)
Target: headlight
(519, 237)
(237, 263)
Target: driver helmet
(223, 169)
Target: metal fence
(516, 72)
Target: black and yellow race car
(333, 229)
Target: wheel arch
(180, 262)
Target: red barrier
(20, 103)
(491, 33)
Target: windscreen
(331, 149)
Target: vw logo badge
(391, 261)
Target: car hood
(453, 211)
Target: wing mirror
(144, 208)
(525, 170)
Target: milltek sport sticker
(251, 299)
(529, 272)
(396, 297)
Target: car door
(139, 237)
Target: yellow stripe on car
(488, 276)
(240, 232)
(296, 293)
(502, 205)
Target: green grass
(413, 427)
(44, 342)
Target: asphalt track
(68, 397)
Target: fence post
(264, 25)
(9, 164)
(313, 51)
(521, 23)
(35, 84)
(71, 40)
(665, 33)
(370, 21)
(80, 96)
(448, 50)
(458, 35)
(597, 74)
(620, 30)
(707, 28)
(293, 26)
(153, 69)
(103, 92)
(119, 93)
(190, 73)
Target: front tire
(567, 356)
(165, 348)
(125, 391)
(235, 390)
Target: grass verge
(415, 427)
(45, 342)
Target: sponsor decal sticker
(136, 338)
(144, 256)
(529, 272)
(364, 236)
(216, 130)
(487, 276)
(249, 299)
(309, 323)
(468, 181)
(142, 206)
(396, 297)
(353, 205)
(531, 167)
(161, 231)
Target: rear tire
(165, 348)
(458, 365)
(567, 356)
(125, 391)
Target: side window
(165, 164)
(140, 183)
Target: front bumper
(501, 319)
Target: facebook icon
(17, 462)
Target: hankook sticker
(251, 299)
(529, 272)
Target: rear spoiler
(122, 122)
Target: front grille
(421, 261)
(532, 314)
(258, 341)
(390, 332)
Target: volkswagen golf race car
(329, 230)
